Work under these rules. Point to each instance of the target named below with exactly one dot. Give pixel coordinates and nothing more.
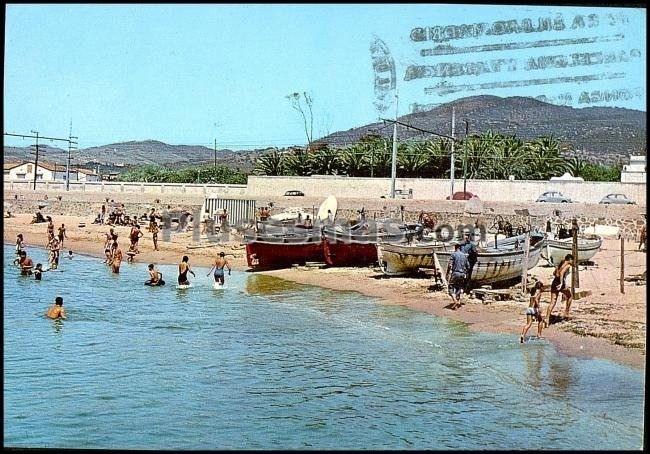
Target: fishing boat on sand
(495, 263)
(281, 242)
(356, 245)
(397, 259)
(282, 251)
(556, 249)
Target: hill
(600, 134)
(119, 155)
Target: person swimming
(219, 264)
(183, 269)
(156, 277)
(56, 310)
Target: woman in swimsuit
(534, 312)
(116, 261)
(183, 269)
(559, 285)
(219, 264)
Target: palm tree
(298, 163)
(576, 166)
(325, 161)
(412, 158)
(353, 160)
(271, 164)
(546, 157)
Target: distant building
(567, 177)
(46, 171)
(634, 172)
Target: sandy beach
(604, 324)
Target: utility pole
(465, 158)
(394, 160)
(36, 160)
(453, 142)
(215, 153)
(37, 136)
(70, 148)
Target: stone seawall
(629, 219)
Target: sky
(193, 74)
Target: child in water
(534, 312)
(39, 271)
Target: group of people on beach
(559, 286)
(459, 272)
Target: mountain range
(599, 134)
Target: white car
(553, 197)
(620, 199)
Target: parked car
(294, 194)
(553, 197)
(461, 196)
(617, 199)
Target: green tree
(270, 164)
(298, 163)
(600, 172)
(325, 161)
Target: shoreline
(503, 317)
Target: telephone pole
(36, 160)
(393, 172)
(215, 153)
(465, 157)
(37, 136)
(453, 142)
(70, 148)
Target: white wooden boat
(555, 250)
(494, 264)
(400, 259)
(499, 264)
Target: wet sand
(605, 324)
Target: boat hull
(340, 253)
(556, 250)
(282, 253)
(346, 247)
(498, 265)
(402, 259)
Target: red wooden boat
(282, 251)
(357, 245)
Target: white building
(46, 172)
(634, 172)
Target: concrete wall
(430, 189)
(346, 187)
(225, 190)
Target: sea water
(268, 364)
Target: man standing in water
(219, 264)
(25, 263)
(56, 310)
(183, 269)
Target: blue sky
(189, 74)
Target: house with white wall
(47, 171)
(635, 171)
